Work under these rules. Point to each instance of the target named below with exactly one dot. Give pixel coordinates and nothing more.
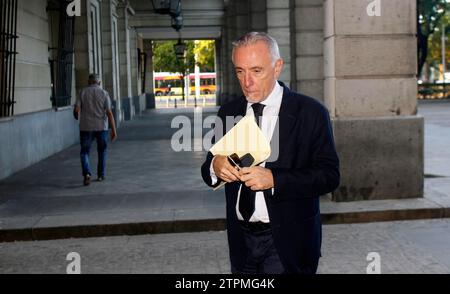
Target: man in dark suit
(273, 215)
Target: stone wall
(370, 90)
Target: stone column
(134, 72)
(308, 52)
(279, 27)
(149, 89)
(110, 58)
(370, 90)
(218, 70)
(81, 49)
(125, 61)
(85, 60)
(258, 16)
(232, 85)
(135, 91)
(136, 78)
(243, 19)
(225, 59)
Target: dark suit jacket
(307, 167)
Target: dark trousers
(262, 254)
(86, 139)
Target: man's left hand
(257, 178)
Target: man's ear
(278, 67)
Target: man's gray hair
(253, 37)
(94, 78)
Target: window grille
(62, 62)
(8, 31)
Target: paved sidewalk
(151, 189)
(412, 247)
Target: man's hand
(113, 135)
(112, 125)
(76, 112)
(257, 178)
(224, 170)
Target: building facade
(358, 57)
(55, 54)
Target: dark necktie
(247, 198)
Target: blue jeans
(86, 139)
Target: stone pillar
(125, 61)
(135, 91)
(370, 90)
(243, 19)
(149, 87)
(81, 49)
(140, 61)
(232, 86)
(258, 16)
(110, 55)
(224, 60)
(308, 51)
(140, 103)
(279, 27)
(218, 70)
(87, 59)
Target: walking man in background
(93, 108)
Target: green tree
(435, 43)
(165, 60)
(429, 15)
(206, 55)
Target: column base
(150, 101)
(381, 158)
(127, 108)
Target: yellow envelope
(245, 137)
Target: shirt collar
(274, 98)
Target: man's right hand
(224, 170)
(113, 135)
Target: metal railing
(434, 91)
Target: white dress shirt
(268, 122)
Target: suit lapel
(286, 121)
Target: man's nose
(248, 80)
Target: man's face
(256, 71)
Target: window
(61, 52)
(8, 30)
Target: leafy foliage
(435, 43)
(430, 16)
(206, 51)
(165, 60)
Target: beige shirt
(94, 103)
